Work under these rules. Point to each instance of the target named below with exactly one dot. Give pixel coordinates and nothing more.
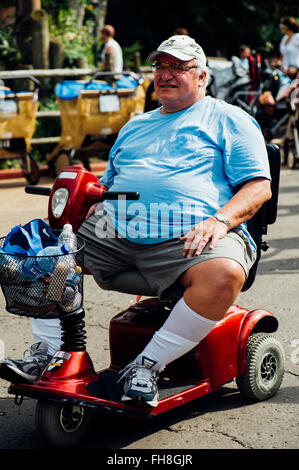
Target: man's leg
(211, 287)
(47, 331)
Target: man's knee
(221, 277)
(229, 284)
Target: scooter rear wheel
(264, 367)
(62, 425)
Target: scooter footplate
(110, 388)
(105, 394)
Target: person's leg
(211, 287)
(47, 331)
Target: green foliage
(9, 51)
(218, 26)
(9, 164)
(55, 5)
(47, 127)
(129, 51)
(50, 126)
(77, 41)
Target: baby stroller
(227, 83)
(247, 95)
(278, 118)
(92, 114)
(17, 124)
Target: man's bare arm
(241, 207)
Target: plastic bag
(30, 238)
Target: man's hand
(92, 209)
(242, 206)
(209, 230)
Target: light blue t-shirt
(185, 165)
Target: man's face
(104, 37)
(177, 91)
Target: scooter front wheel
(62, 425)
(264, 368)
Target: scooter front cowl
(67, 374)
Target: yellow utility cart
(17, 124)
(92, 113)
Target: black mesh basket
(43, 286)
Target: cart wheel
(264, 367)
(291, 158)
(30, 169)
(62, 161)
(62, 425)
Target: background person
(241, 62)
(289, 44)
(111, 46)
(241, 69)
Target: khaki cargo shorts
(159, 264)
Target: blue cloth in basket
(70, 89)
(30, 238)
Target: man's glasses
(174, 67)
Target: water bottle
(48, 257)
(72, 297)
(34, 267)
(17, 268)
(9, 266)
(68, 237)
(60, 272)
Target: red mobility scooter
(69, 390)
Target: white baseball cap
(182, 47)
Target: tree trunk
(26, 7)
(80, 11)
(23, 27)
(40, 39)
(56, 56)
(102, 11)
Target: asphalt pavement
(222, 420)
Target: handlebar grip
(114, 195)
(38, 190)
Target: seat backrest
(266, 215)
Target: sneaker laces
(126, 370)
(142, 373)
(39, 359)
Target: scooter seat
(129, 282)
(132, 282)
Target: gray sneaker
(35, 359)
(140, 385)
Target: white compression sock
(181, 332)
(185, 322)
(47, 331)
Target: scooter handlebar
(114, 195)
(38, 190)
(108, 195)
